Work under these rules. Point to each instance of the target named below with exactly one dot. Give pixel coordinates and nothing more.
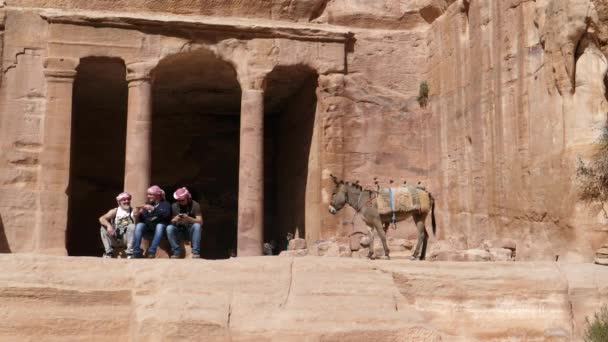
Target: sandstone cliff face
(517, 93)
(359, 13)
(294, 299)
(22, 104)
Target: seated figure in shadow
(186, 224)
(152, 219)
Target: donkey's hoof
(413, 258)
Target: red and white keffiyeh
(123, 196)
(182, 193)
(156, 190)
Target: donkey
(363, 201)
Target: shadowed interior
(99, 121)
(195, 140)
(195, 143)
(290, 103)
(196, 130)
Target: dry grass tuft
(593, 176)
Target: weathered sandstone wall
(22, 104)
(374, 98)
(357, 13)
(294, 299)
(517, 95)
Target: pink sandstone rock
(305, 298)
(517, 93)
(500, 254)
(297, 243)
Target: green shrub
(423, 94)
(593, 176)
(597, 330)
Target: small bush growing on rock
(597, 330)
(423, 94)
(593, 176)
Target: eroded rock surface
(517, 94)
(294, 299)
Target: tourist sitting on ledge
(152, 219)
(117, 226)
(186, 224)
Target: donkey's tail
(433, 214)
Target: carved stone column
(54, 174)
(139, 124)
(251, 174)
(331, 106)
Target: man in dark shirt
(153, 218)
(186, 223)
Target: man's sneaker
(151, 256)
(196, 256)
(107, 255)
(175, 256)
(130, 256)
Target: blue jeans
(192, 233)
(142, 229)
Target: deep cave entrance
(99, 122)
(195, 143)
(290, 104)
(606, 89)
(195, 140)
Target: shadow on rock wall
(4, 247)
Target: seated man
(117, 226)
(186, 224)
(152, 217)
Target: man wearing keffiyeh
(152, 218)
(186, 223)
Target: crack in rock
(290, 283)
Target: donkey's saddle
(405, 198)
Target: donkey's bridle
(356, 207)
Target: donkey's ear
(334, 178)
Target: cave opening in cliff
(195, 140)
(99, 121)
(291, 190)
(606, 90)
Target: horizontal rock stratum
(294, 299)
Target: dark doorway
(99, 121)
(4, 245)
(195, 140)
(290, 103)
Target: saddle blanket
(402, 199)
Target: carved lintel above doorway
(240, 27)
